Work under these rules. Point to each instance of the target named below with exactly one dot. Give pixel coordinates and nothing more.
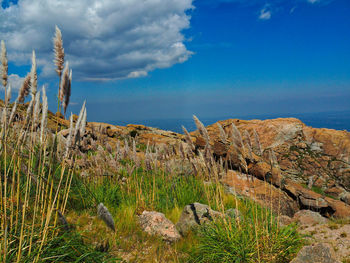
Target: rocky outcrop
(320, 253)
(260, 191)
(302, 152)
(155, 223)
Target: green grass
(256, 238)
(69, 247)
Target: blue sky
(204, 57)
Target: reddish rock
(156, 223)
(334, 191)
(260, 191)
(341, 210)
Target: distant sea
(331, 120)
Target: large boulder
(155, 223)
(194, 215)
(318, 253)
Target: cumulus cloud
(15, 81)
(103, 39)
(265, 14)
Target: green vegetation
(50, 187)
(255, 238)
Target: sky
(157, 59)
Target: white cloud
(265, 14)
(15, 81)
(103, 39)
(313, 1)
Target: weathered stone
(285, 220)
(194, 215)
(318, 253)
(307, 217)
(155, 223)
(334, 191)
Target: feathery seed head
(201, 128)
(188, 138)
(67, 91)
(64, 82)
(25, 88)
(8, 95)
(4, 64)
(223, 135)
(236, 136)
(33, 76)
(83, 123)
(257, 149)
(59, 51)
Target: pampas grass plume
(4, 63)
(223, 135)
(33, 76)
(188, 138)
(59, 51)
(25, 88)
(202, 130)
(8, 95)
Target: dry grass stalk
(59, 51)
(25, 88)
(4, 63)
